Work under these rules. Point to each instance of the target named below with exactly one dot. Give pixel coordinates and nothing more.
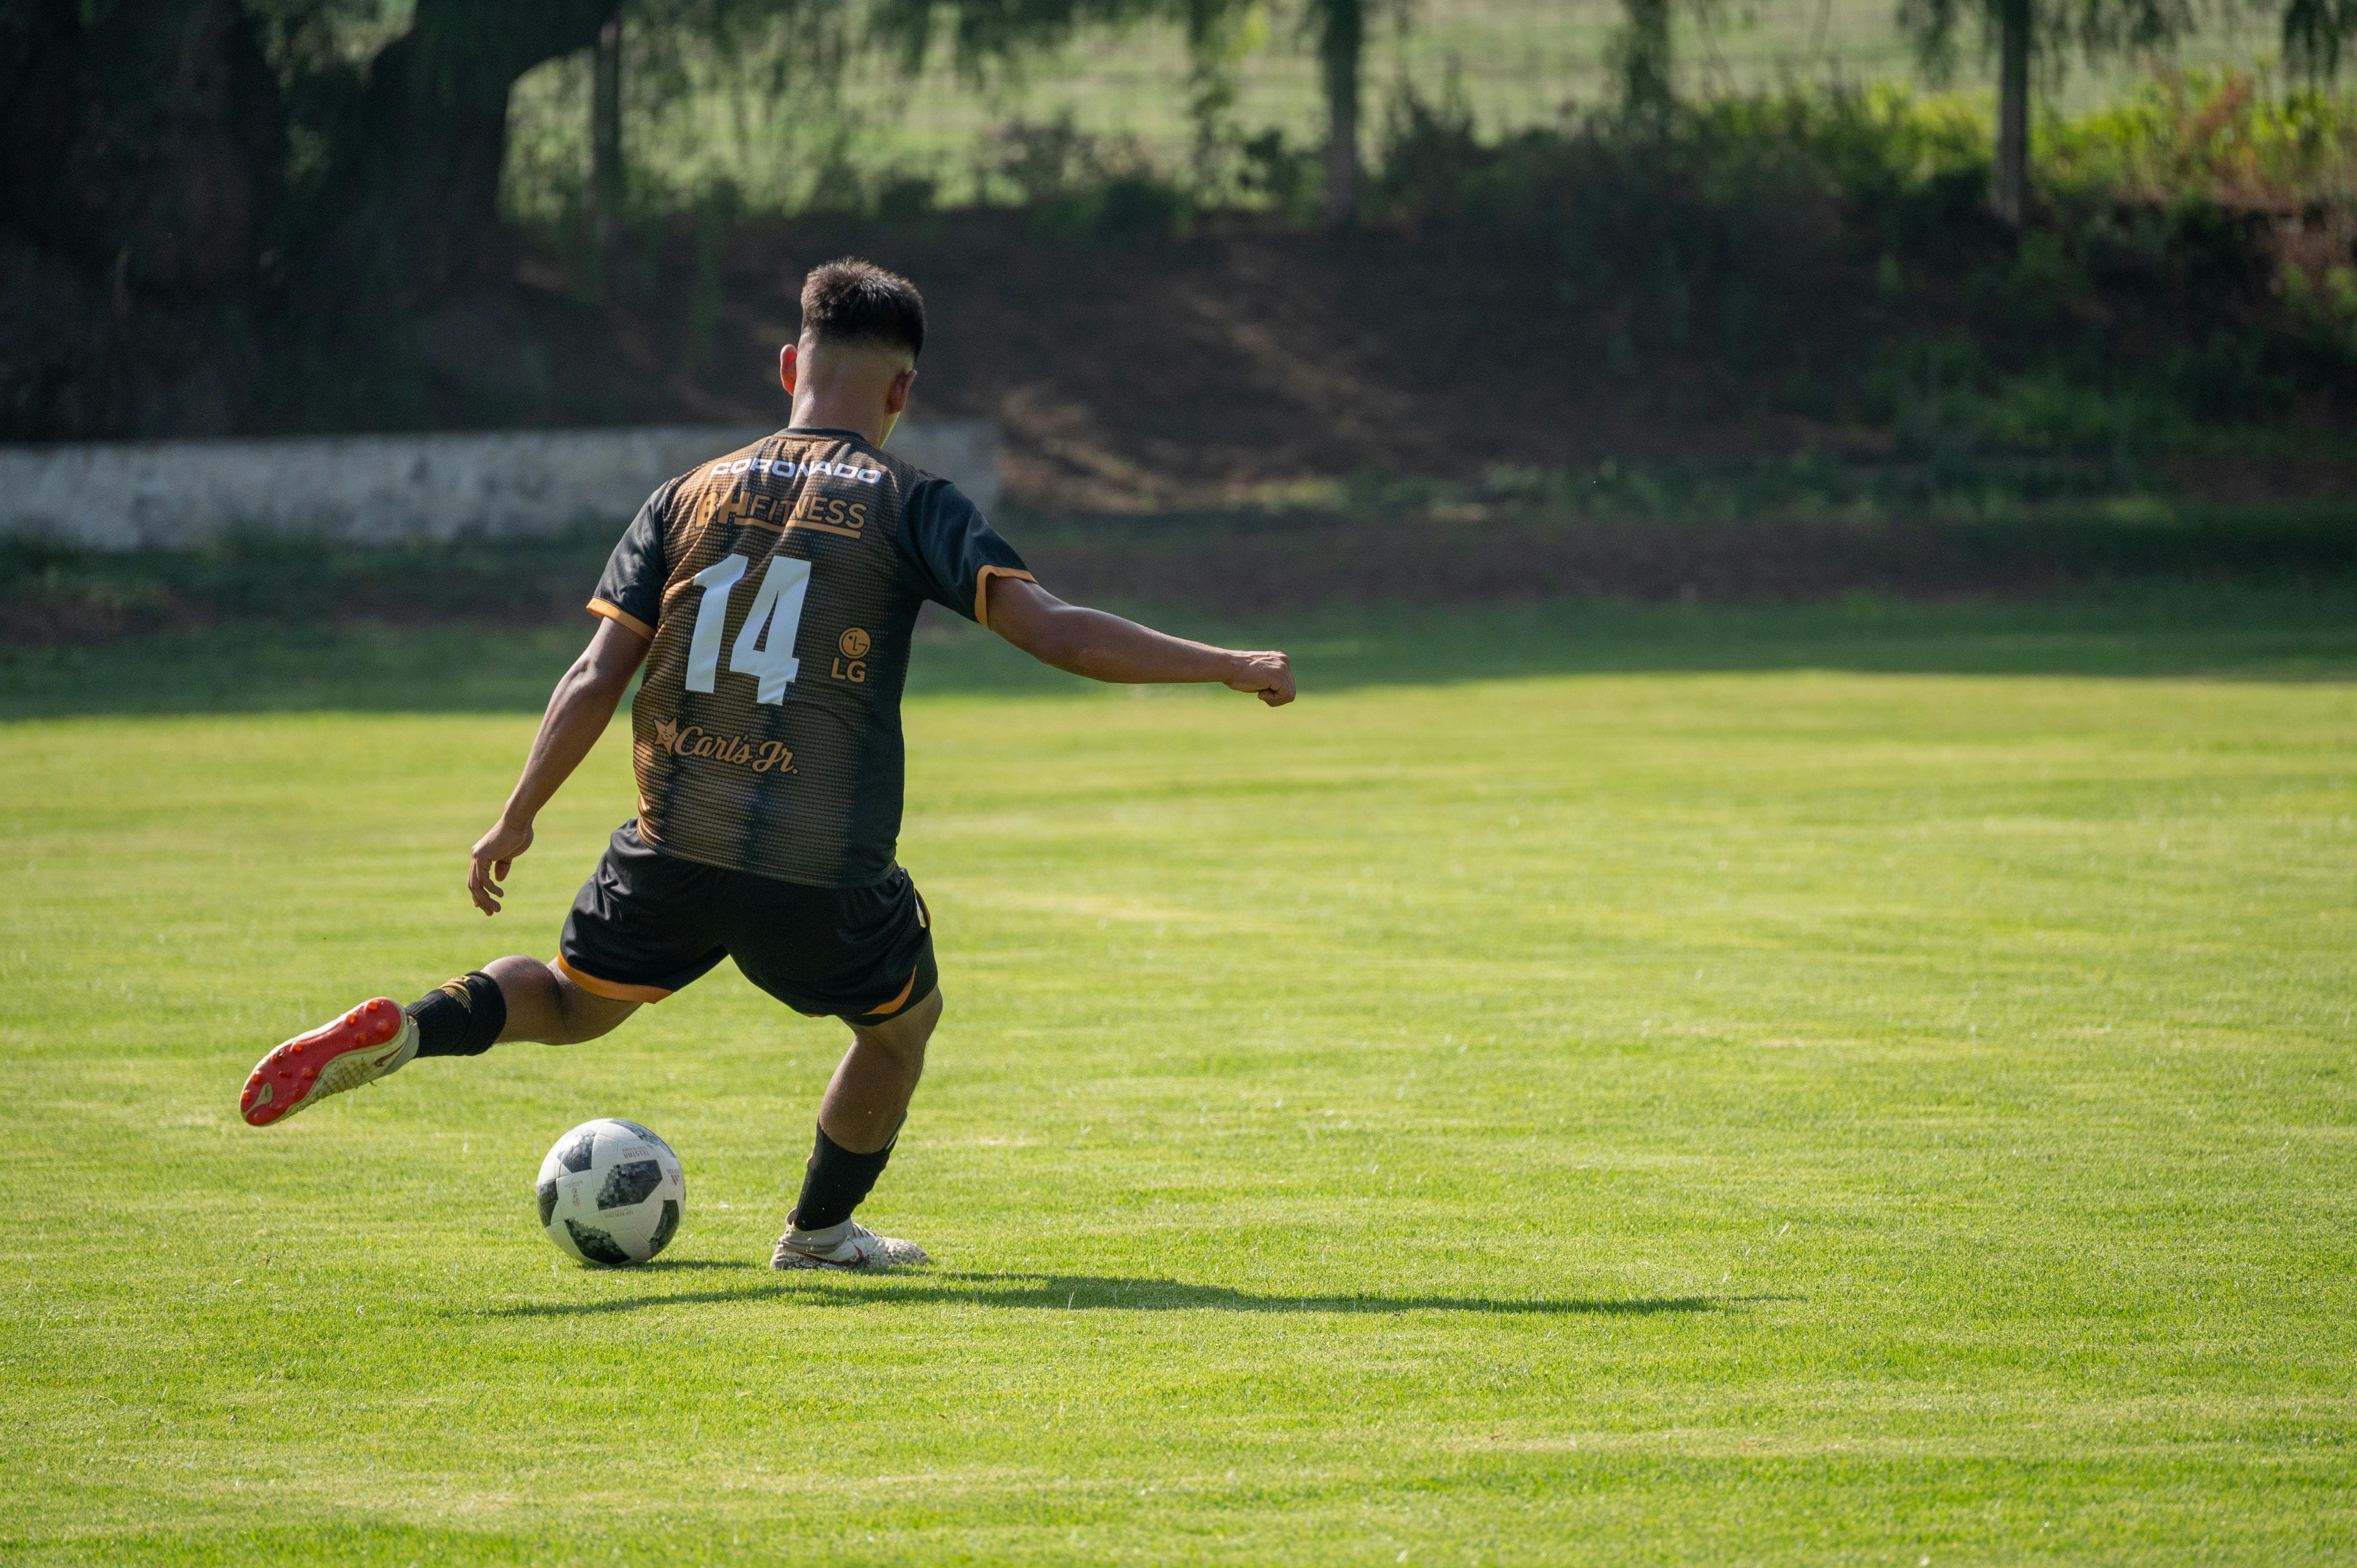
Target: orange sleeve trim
(613, 990)
(897, 1001)
(616, 613)
(982, 589)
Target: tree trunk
(1215, 42)
(1644, 56)
(141, 165)
(606, 142)
(2010, 188)
(1341, 41)
(416, 174)
(142, 158)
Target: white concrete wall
(381, 488)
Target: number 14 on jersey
(777, 611)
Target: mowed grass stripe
(1616, 1118)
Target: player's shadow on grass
(1077, 1293)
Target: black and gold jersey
(778, 587)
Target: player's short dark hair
(852, 301)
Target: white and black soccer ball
(611, 1192)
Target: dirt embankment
(1235, 367)
(1175, 415)
(1212, 371)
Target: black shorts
(649, 924)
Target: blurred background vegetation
(1686, 231)
(1275, 302)
(781, 134)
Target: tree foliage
(2316, 33)
(2033, 35)
(191, 187)
(988, 36)
(2090, 29)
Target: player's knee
(903, 1037)
(924, 1019)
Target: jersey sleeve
(949, 554)
(631, 589)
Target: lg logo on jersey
(853, 664)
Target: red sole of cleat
(282, 1080)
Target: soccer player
(770, 595)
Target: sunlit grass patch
(1786, 1114)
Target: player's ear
(787, 369)
(896, 396)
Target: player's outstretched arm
(578, 712)
(1106, 647)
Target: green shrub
(2192, 265)
(1283, 176)
(2224, 135)
(1081, 188)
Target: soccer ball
(611, 1192)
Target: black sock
(834, 1181)
(459, 1017)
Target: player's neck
(843, 408)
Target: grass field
(1867, 1085)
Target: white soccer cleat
(849, 1245)
(371, 1040)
